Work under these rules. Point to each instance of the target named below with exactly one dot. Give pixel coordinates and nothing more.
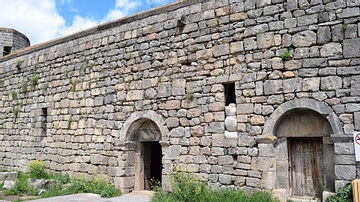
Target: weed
(134, 106)
(34, 79)
(37, 170)
(69, 122)
(21, 186)
(13, 95)
(286, 55)
(21, 104)
(16, 111)
(46, 86)
(81, 117)
(66, 73)
(91, 65)
(343, 27)
(189, 187)
(343, 194)
(24, 87)
(18, 63)
(189, 94)
(73, 85)
(62, 179)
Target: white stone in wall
(231, 123)
(230, 135)
(230, 110)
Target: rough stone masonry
(242, 92)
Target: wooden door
(305, 160)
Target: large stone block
(331, 83)
(178, 86)
(323, 35)
(133, 95)
(231, 123)
(273, 87)
(263, 163)
(345, 160)
(204, 54)
(331, 50)
(311, 84)
(164, 90)
(220, 50)
(344, 148)
(256, 30)
(226, 160)
(225, 179)
(304, 39)
(124, 182)
(345, 172)
(265, 40)
(351, 48)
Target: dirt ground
(15, 197)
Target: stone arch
(142, 134)
(302, 104)
(322, 124)
(137, 118)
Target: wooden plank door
(305, 160)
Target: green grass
(65, 185)
(188, 188)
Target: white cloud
(37, 19)
(40, 20)
(79, 23)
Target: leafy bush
(37, 170)
(62, 179)
(96, 185)
(344, 194)
(188, 187)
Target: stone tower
(11, 40)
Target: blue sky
(43, 20)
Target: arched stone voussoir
(301, 104)
(149, 114)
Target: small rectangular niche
(7, 50)
(229, 90)
(44, 114)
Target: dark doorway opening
(152, 163)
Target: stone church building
(251, 94)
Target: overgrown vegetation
(13, 95)
(34, 79)
(188, 187)
(69, 122)
(73, 85)
(64, 186)
(286, 55)
(344, 194)
(18, 63)
(24, 87)
(343, 27)
(16, 111)
(189, 93)
(37, 170)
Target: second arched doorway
(145, 135)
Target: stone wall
(12, 38)
(73, 101)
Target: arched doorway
(306, 135)
(301, 131)
(145, 135)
